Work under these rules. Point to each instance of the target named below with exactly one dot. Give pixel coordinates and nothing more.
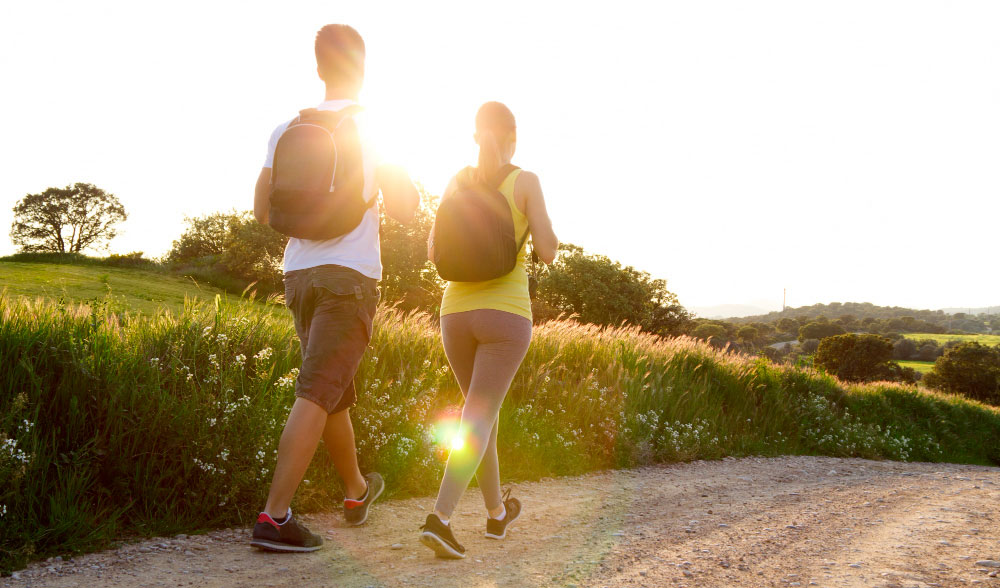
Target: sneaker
(289, 536)
(497, 529)
(356, 511)
(438, 536)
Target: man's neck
(340, 94)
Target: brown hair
(495, 127)
(340, 54)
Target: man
(331, 289)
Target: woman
(486, 329)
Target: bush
(230, 250)
(860, 358)
(820, 330)
(904, 349)
(810, 346)
(969, 369)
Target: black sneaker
(289, 536)
(356, 511)
(497, 529)
(439, 537)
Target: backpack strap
(328, 119)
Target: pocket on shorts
(289, 290)
(340, 286)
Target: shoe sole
(281, 547)
(362, 521)
(498, 537)
(440, 547)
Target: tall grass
(114, 425)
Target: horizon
(691, 159)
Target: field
(942, 339)
(116, 424)
(143, 291)
(921, 366)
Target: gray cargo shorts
(333, 308)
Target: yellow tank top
(508, 293)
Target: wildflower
(190, 377)
(206, 331)
(26, 425)
(427, 363)
(3, 510)
(240, 359)
(261, 455)
(263, 355)
(155, 361)
(211, 422)
(224, 455)
(221, 338)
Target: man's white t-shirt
(359, 249)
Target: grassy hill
(116, 424)
(140, 290)
(941, 339)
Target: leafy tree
(970, 369)
(929, 352)
(709, 331)
(904, 349)
(820, 330)
(408, 278)
(788, 325)
(860, 358)
(598, 290)
(66, 220)
(810, 346)
(232, 246)
(747, 335)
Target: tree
(604, 292)
(408, 278)
(820, 330)
(904, 349)
(233, 245)
(970, 369)
(810, 346)
(747, 335)
(860, 358)
(709, 331)
(66, 220)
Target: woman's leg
(502, 341)
(460, 347)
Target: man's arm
(260, 195)
(398, 192)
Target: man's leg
(338, 435)
(298, 443)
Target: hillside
(141, 290)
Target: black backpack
(474, 237)
(317, 177)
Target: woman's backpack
(474, 237)
(317, 178)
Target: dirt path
(792, 521)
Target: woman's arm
(543, 238)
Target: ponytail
(495, 126)
(490, 159)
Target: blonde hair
(495, 128)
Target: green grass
(942, 339)
(921, 366)
(114, 424)
(139, 290)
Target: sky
(844, 151)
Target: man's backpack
(317, 177)
(474, 237)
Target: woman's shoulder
(527, 183)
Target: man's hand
(398, 192)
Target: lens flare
(457, 442)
